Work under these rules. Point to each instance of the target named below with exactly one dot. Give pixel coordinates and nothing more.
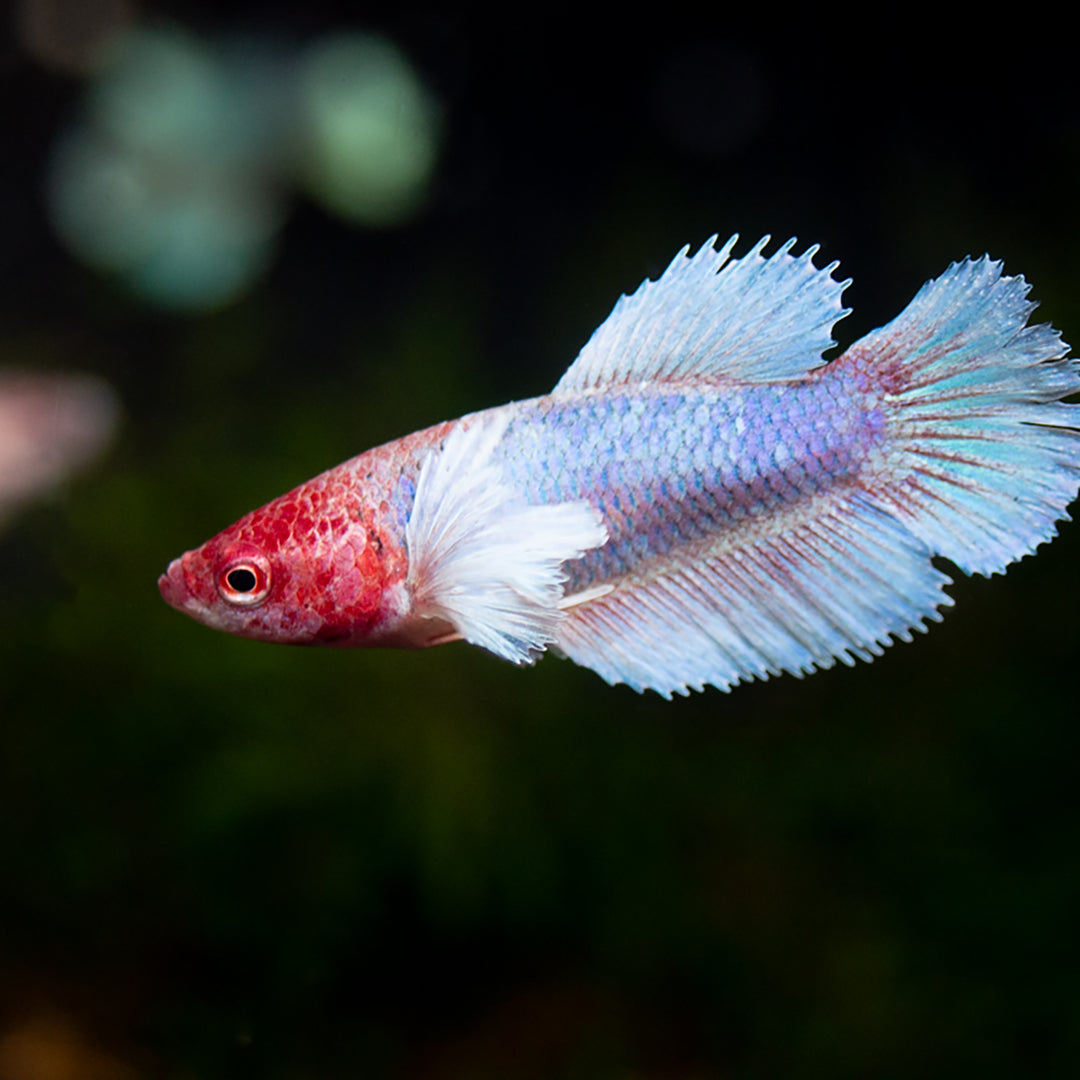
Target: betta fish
(702, 499)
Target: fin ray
(481, 559)
(755, 319)
(836, 588)
(983, 460)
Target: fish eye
(242, 579)
(245, 583)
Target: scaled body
(700, 500)
(669, 469)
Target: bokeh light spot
(177, 177)
(370, 127)
(165, 92)
(183, 233)
(167, 182)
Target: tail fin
(983, 460)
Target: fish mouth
(177, 593)
(173, 586)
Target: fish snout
(173, 586)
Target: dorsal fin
(754, 319)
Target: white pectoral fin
(585, 596)
(481, 559)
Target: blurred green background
(220, 858)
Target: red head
(311, 567)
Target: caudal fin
(984, 460)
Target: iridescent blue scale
(671, 468)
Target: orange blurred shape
(47, 1046)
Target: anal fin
(807, 594)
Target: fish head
(296, 571)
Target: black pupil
(241, 580)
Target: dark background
(220, 858)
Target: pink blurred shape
(50, 426)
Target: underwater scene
(643, 831)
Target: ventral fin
(753, 319)
(483, 560)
